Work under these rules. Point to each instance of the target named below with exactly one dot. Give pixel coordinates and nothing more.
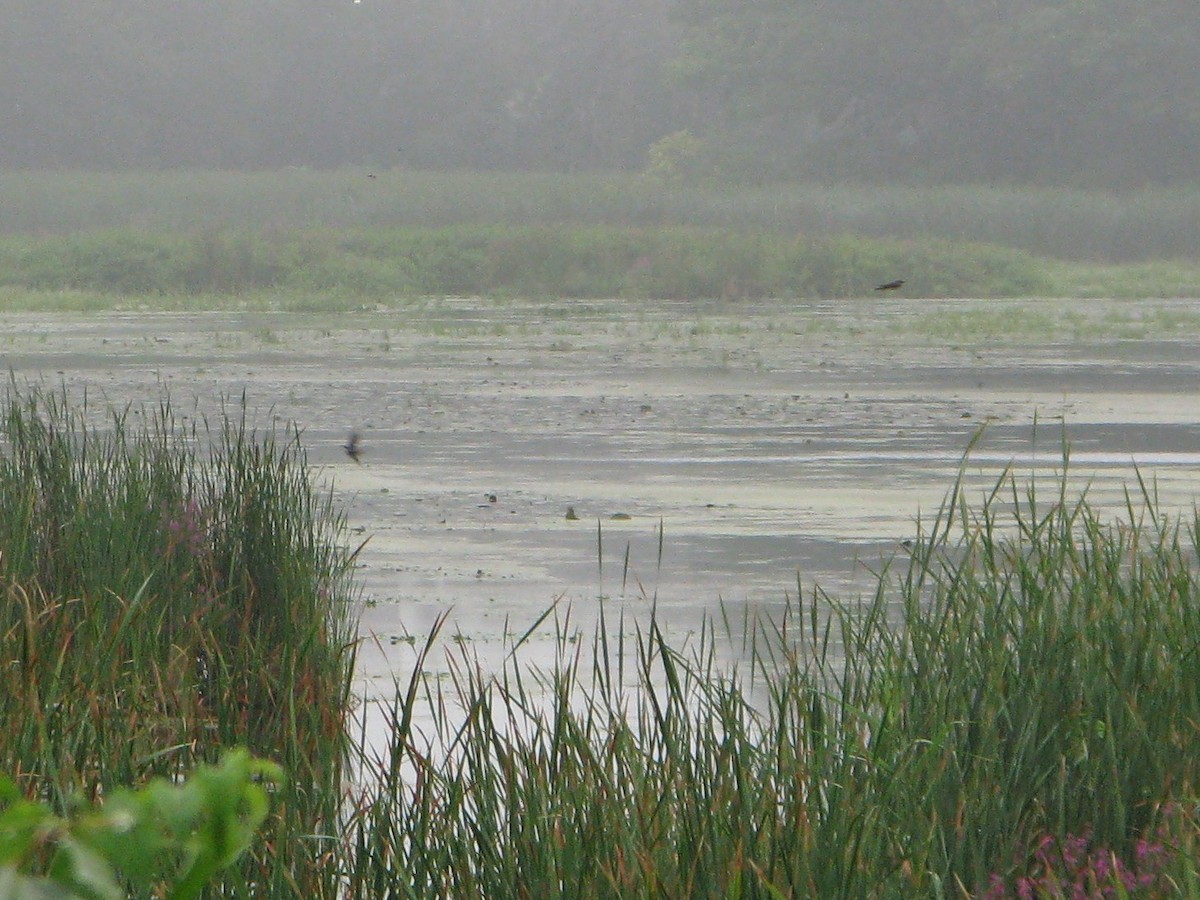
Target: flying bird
(891, 285)
(352, 447)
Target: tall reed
(1016, 703)
(1029, 671)
(171, 590)
(530, 261)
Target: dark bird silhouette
(353, 450)
(891, 285)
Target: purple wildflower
(185, 528)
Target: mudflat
(518, 454)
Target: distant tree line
(1077, 91)
(1083, 91)
(489, 84)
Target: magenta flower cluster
(1076, 869)
(185, 528)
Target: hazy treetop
(1087, 92)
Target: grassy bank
(335, 269)
(299, 238)
(1015, 705)
(1093, 226)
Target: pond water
(519, 454)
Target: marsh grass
(309, 239)
(1024, 676)
(356, 268)
(366, 266)
(169, 591)
(1029, 671)
(1168, 278)
(1092, 226)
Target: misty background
(1099, 95)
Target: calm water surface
(710, 453)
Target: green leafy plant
(167, 837)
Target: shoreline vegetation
(171, 590)
(1012, 712)
(343, 239)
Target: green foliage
(331, 269)
(1162, 279)
(1028, 670)
(143, 263)
(1024, 675)
(169, 591)
(164, 836)
(1042, 91)
(674, 159)
(528, 261)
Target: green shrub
(165, 838)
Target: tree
(1032, 89)
(431, 83)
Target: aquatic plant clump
(171, 590)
